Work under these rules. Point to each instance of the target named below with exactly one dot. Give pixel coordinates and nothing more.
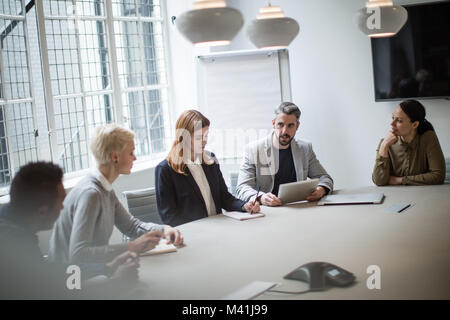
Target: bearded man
(280, 158)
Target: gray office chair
(142, 205)
(447, 169)
(233, 182)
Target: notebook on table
(243, 215)
(359, 198)
(161, 247)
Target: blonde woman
(91, 209)
(189, 183)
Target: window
(18, 143)
(93, 62)
(142, 73)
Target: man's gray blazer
(261, 162)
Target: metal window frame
(48, 92)
(76, 18)
(169, 117)
(5, 102)
(81, 74)
(145, 88)
(116, 100)
(115, 90)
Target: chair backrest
(142, 204)
(447, 169)
(233, 182)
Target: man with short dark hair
(37, 188)
(280, 158)
(36, 198)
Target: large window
(68, 66)
(142, 73)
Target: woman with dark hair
(189, 184)
(410, 154)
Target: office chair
(142, 205)
(447, 169)
(233, 182)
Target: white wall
(183, 61)
(332, 83)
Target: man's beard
(284, 143)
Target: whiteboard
(238, 92)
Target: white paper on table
(243, 215)
(161, 247)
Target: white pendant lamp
(380, 18)
(272, 29)
(210, 23)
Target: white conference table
(221, 255)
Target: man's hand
(128, 270)
(173, 236)
(317, 194)
(269, 199)
(145, 242)
(121, 259)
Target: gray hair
(288, 108)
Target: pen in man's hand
(256, 199)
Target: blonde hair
(109, 138)
(187, 123)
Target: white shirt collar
(206, 160)
(100, 177)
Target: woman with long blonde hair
(189, 183)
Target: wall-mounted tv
(415, 63)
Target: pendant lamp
(210, 23)
(380, 18)
(272, 29)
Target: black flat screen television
(415, 63)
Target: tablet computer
(296, 191)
